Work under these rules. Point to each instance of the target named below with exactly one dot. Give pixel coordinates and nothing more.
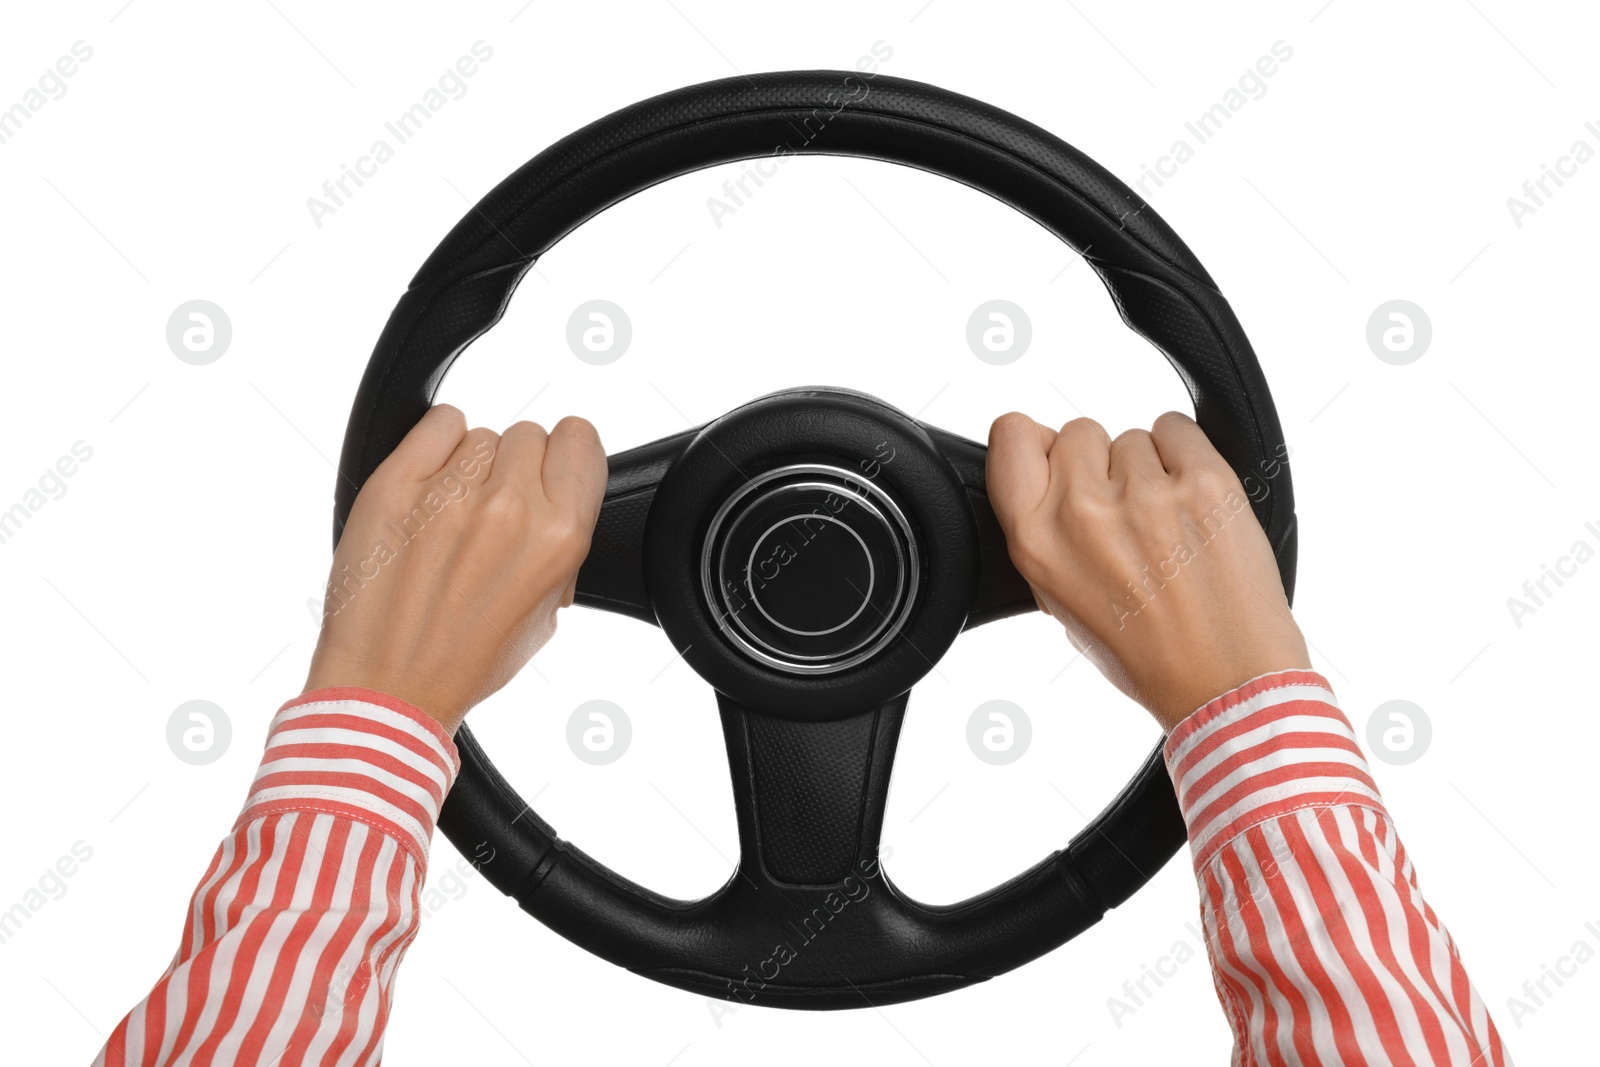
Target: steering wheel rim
(882, 947)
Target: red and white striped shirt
(1322, 948)
(294, 934)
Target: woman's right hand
(1145, 548)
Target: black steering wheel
(812, 554)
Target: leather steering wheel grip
(849, 947)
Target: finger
(1183, 444)
(1018, 466)
(427, 448)
(575, 470)
(1081, 456)
(1134, 456)
(473, 457)
(521, 458)
(1047, 437)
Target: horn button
(810, 568)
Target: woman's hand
(1146, 550)
(459, 551)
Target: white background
(178, 563)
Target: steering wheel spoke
(810, 795)
(1002, 592)
(612, 576)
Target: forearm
(294, 933)
(1321, 944)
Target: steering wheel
(812, 554)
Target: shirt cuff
(358, 754)
(1276, 744)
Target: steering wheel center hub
(810, 568)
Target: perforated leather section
(812, 782)
(612, 576)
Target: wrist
(1196, 688)
(334, 674)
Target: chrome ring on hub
(797, 504)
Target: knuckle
(1213, 500)
(1148, 508)
(1133, 437)
(380, 483)
(1031, 545)
(1149, 494)
(1084, 509)
(483, 443)
(387, 492)
(1085, 425)
(503, 508)
(574, 424)
(567, 537)
(1210, 481)
(450, 414)
(1010, 422)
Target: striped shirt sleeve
(1322, 948)
(292, 938)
